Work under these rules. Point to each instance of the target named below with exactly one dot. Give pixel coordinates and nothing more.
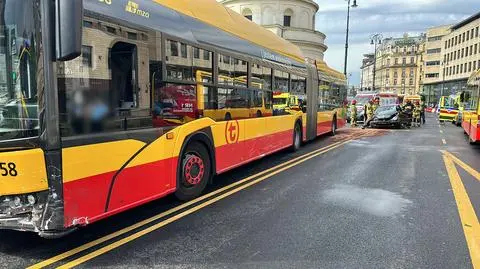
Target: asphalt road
(380, 201)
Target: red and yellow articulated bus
(471, 114)
(102, 108)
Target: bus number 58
(8, 169)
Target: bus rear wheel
(297, 137)
(195, 171)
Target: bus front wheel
(195, 171)
(228, 116)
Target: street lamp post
(444, 64)
(376, 40)
(346, 39)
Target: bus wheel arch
(195, 166)
(228, 116)
(259, 114)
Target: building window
(395, 82)
(471, 33)
(470, 67)
(463, 37)
(466, 51)
(475, 48)
(396, 49)
(434, 38)
(432, 75)
(431, 63)
(461, 68)
(287, 17)
(132, 36)
(388, 62)
(247, 13)
(446, 44)
(396, 60)
(196, 53)
(465, 67)
(183, 50)
(412, 60)
(410, 81)
(404, 60)
(287, 20)
(433, 51)
(173, 48)
(456, 40)
(206, 55)
(395, 74)
(471, 49)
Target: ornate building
(293, 20)
(397, 64)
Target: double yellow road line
(182, 210)
(468, 217)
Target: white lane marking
(443, 141)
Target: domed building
(294, 20)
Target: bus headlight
(31, 199)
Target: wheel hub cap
(193, 169)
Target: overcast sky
(388, 17)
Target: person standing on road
(353, 114)
(370, 111)
(416, 114)
(423, 106)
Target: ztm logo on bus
(232, 131)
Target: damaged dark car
(390, 116)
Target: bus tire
(333, 132)
(228, 116)
(297, 137)
(195, 171)
(259, 114)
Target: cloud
(390, 18)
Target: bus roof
(225, 19)
(329, 74)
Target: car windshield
(20, 74)
(386, 109)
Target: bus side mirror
(68, 29)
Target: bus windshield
(20, 74)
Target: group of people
(369, 110)
(417, 112)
